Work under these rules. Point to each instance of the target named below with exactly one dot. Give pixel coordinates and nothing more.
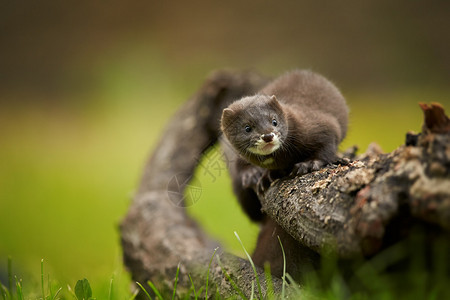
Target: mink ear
(274, 102)
(227, 117)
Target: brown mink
(299, 117)
(293, 125)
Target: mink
(291, 126)
(299, 117)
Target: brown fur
(312, 114)
(311, 120)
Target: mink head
(255, 126)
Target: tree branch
(157, 234)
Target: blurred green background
(86, 88)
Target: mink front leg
(245, 178)
(250, 176)
(267, 178)
(322, 157)
(249, 181)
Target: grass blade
(42, 279)
(4, 292)
(136, 292)
(293, 285)
(283, 286)
(57, 293)
(207, 274)
(155, 290)
(193, 286)
(199, 292)
(111, 288)
(217, 295)
(10, 277)
(176, 282)
(269, 283)
(252, 264)
(253, 290)
(233, 284)
(49, 288)
(19, 290)
(145, 291)
(72, 292)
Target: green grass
(54, 289)
(368, 280)
(68, 173)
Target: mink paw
(251, 177)
(267, 178)
(309, 166)
(264, 182)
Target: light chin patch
(264, 148)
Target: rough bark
(349, 208)
(352, 209)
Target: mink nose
(267, 137)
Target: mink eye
(274, 122)
(248, 128)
